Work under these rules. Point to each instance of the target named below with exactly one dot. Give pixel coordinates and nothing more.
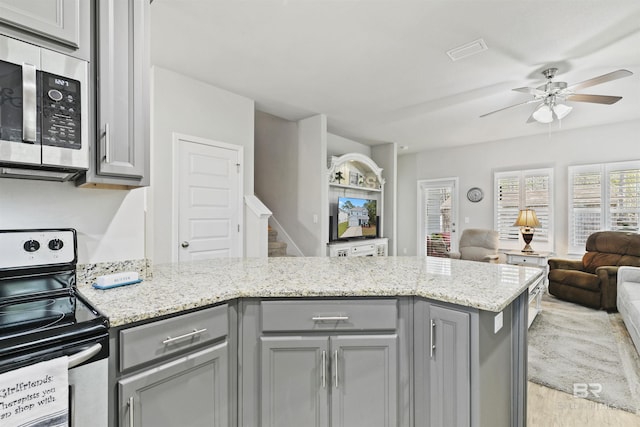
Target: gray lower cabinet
(468, 368)
(448, 367)
(177, 371)
(189, 391)
(338, 381)
(121, 155)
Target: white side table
(537, 289)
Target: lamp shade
(527, 218)
(543, 114)
(561, 110)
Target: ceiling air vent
(468, 49)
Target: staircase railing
(256, 227)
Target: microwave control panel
(60, 100)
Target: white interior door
(437, 216)
(209, 198)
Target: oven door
(88, 376)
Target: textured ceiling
(379, 69)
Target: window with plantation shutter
(602, 197)
(516, 190)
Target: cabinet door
(364, 374)
(123, 89)
(58, 20)
(449, 367)
(190, 391)
(294, 381)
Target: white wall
(313, 191)
(475, 164)
(180, 104)
(386, 156)
(338, 145)
(110, 223)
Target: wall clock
(475, 194)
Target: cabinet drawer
(157, 339)
(525, 260)
(329, 315)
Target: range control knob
(55, 244)
(31, 245)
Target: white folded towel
(36, 395)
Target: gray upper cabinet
(62, 25)
(122, 68)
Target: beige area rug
(586, 353)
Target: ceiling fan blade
(511, 106)
(530, 90)
(618, 74)
(597, 99)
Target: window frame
(576, 246)
(543, 239)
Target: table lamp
(527, 221)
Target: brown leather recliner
(592, 281)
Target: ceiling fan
(552, 94)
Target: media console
(364, 247)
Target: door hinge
(238, 228)
(238, 167)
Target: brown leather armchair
(592, 281)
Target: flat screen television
(357, 218)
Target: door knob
(185, 244)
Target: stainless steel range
(43, 316)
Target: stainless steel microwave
(43, 113)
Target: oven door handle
(84, 355)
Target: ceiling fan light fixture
(561, 110)
(543, 114)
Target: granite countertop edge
(176, 288)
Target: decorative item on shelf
(527, 221)
(339, 177)
(370, 181)
(475, 194)
(353, 178)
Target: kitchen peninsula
(388, 341)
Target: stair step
(277, 249)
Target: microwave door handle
(84, 355)
(29, 103)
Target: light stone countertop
(183, 286)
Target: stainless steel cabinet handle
(335, 359)
(324, 369)
(29, 103)
(329, 318)
(184, 244)
(195, 332)
(84, 355)
(432, 346)
(130, 411)
(107, 144)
